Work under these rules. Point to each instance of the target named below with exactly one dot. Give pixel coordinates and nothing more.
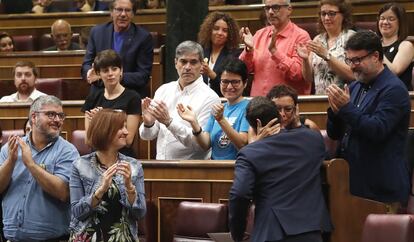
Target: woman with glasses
(106, 187)
(286, 100)
(108, 66)
(323, 58)
(220, 39)
(226, 130)
(392, 27)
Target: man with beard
(371, 119)
(130, 41)
(25, 74)
(34, 177)
(271, 52)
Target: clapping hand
(246, 37)
(186, 113)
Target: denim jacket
(85, 180)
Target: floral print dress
(110, 223)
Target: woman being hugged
(219, 37)
(398, 53)
(226, 130)
(324, 56)
(106, 187)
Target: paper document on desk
(223, 237)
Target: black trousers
(314, 236)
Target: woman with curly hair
(220, 39)
(324, 57)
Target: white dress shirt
(15, 97)
(176, 142)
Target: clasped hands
(122, 168)
(155, 110)
(337, 98)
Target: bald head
(61, 34)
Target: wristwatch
(327, 57)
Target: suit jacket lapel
(128, 40)
(220, 59)
(109, 35)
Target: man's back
(281, 174)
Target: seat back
(46, 40)
(311, 28)
(388, 227)
(7, 133)
(365, 25)
(24, 42)
(50, 86)
(78, 140)
(195, 219)
(147, 227)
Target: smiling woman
(398, 52)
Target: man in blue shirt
(34, 177)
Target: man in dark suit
(133, 43)
(371, 119)
(280, 174)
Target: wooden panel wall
(155, 19)
(170, 182)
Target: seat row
(35, 43)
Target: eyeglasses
(389, 19)
(331, 14)
(234, 83)
(120, 10)
(356, 60)
(52, 115)
(274, 7)
(286, 109)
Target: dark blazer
(281, 175)
(224, 55)
(136, 53)
(373, 138)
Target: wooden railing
(155, 19)
(65, 65)
(167, 183)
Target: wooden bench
(167, 183)
(65, 65)
(154, 20)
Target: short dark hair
(236, 66)
(106, 58)
(283, 90)
(26, 64)
(365, 40)
(263, 109)
(103, 128)
(134, 6)
(399, 11)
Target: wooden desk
(167, 183)
(65, 65)
(154, 20)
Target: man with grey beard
(371, 120)
(34, 177)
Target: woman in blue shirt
(106, 187)
(226, 130)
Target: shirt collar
(285, 32)
(192, 86)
